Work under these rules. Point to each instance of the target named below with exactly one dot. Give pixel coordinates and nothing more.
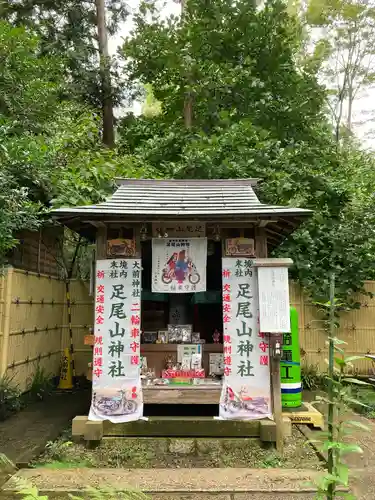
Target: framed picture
(195, 337)
(149, 337)
(163, 336)
(179, 334)
(239, 247)
(121, 248)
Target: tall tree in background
(108, 133)
(50, 152)
(345, 52)
(68, 29)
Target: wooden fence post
(6, 324)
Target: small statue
(169, 362)
(216, 337)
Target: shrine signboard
(274, 309)
(246, 389)
(117, 390)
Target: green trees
(257, 112)
(67, 29)
(345, 53)
(50, 149)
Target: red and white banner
(117, 390)
(246, 392)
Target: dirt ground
(25, 435)
(178, 453)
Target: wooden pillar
(101, 243)
(137, 237)
(276, 392)
(261, 252)
(261, 243)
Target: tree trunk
(107, 105)
(188, 102)
(350, 108)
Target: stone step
(173, 484)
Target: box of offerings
(189, 365)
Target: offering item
(149, 337)
(216, 337)
(179, 334)
(195, 337)
(163, 336)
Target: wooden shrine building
(181, 231)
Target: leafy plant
(366, 396)
(30, 492)
(311, 377)
(41, 384)
(10, 397)
(273, 460)
(339, 398)
(56, 449)
(112, 494)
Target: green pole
(331, 488)
(290, 365)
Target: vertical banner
(246, 392)
(179, 265)
(117, 390)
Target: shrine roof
(232, 201)
(155, 199)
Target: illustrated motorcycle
(234, 403)
(116, 405)
(169, 274)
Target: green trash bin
(290, 366)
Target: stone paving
(183, 484)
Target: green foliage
(222, 54)
(41, 384)
(50, 153)
(255, 114)
(10, 397)
(67, 29)
(366, 397)
(311, 378)
(339, 398)
(111, 494)
(29, 492)
(273, 461)
(344, 54)
(151, 107)
(56, 450)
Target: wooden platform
(183, 394)
(183, 427)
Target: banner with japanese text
(179, 265)
(246, 392)
(116, 382)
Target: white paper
(117, 390)
(246, 393)
(179, 265)
(274, 310)
(187, 351)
